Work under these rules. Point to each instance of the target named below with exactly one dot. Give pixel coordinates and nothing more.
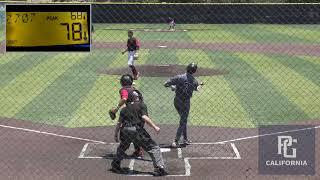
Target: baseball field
(258, 87)
(54, 106)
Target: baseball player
(131, 117)
(171, 23)
(133, 46)
(126, 82)
(184, 85)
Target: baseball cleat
(115, 167)
(160, 171)
(187, 142)
(175, 144)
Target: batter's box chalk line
(187, 167)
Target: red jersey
(133, 44)
(124, 92)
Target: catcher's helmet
(192, 68)
(135, 96)
(126, 80)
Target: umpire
(131, 130)
(184, 85)
(126, 82)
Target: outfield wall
(207, 13)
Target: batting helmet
(126, 80)
(192, 68)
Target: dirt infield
(38, 151)
(162, 70)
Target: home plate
(162, 46)
(165, 149)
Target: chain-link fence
(254, 111)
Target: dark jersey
(185, 85)
(131, 115)
(133, 44)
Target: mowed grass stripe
(313, 59)
(215, 104)
(19, 63)
(187, 56)
(262, 101)
(218, 34)
(63, 97)
(103, 96)
(94, 108)
(299, 90)
(110, 36)
(301, 66)
(158, 98)
(28, 85)
(177, 36)
(256, 34)
(121, 60)
(303, 33)
(8, 57)
(162, 56)
(116, 32)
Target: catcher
(126, 82)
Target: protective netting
(256, 116)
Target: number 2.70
(76, 34)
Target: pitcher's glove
(136, 56)
(112, 113)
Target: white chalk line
(83, 151)
(236, 151)
(52, 134)
(131, 164)
(187, 167)
(263, 135)
(179, 153)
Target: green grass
(221, 33)
(264, 103)
(64, 96)
(299, 90)
(65, 89)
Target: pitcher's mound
(161, 70)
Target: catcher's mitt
(112, 115)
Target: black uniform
(132, 130)
(185, 85)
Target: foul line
(262, 135)
(52, 134)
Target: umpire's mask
(135, 96)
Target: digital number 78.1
(76, 31)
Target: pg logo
(284, 146)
